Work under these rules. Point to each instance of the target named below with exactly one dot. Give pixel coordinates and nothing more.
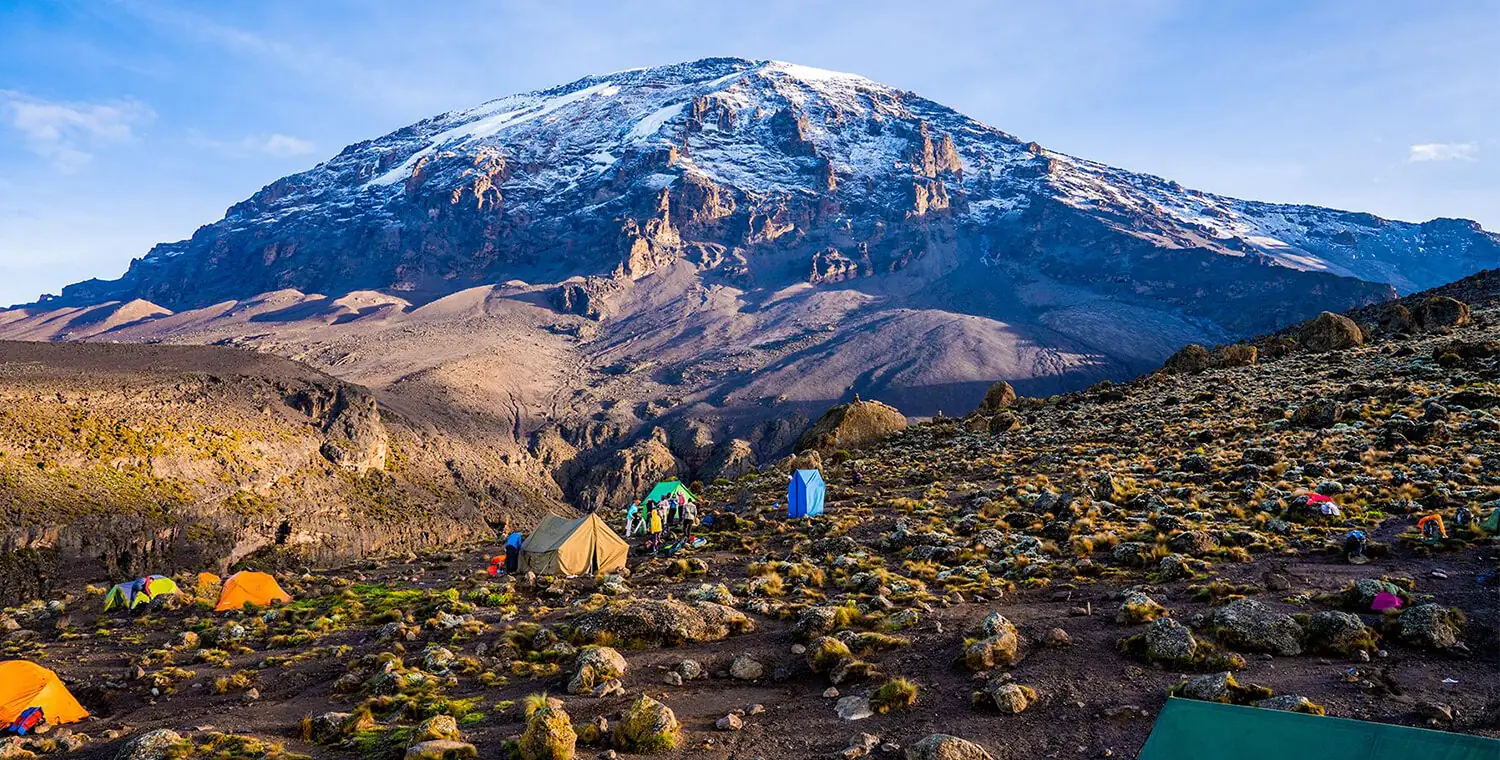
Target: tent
(208, 579)
(24, 685)
(250, 587)
(669, 487)
(804, 496)
(560, 546)
(1189, 729)
(140, 591)
(1491, 524)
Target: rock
(327, 727)
(1213, 687)
(945, 747)
(1193, 542)
(1333, 632)
(1236, 355)
(437, 659)
(730, 722)
(1247, 624)
(1330, 332)
(672, 678)
(446, 749)
(1000, 396)
(746, 668)
(1169, 641)
(1057, 637)
(152, 745)
(355, 439)
(689, 669)
(1290, 703)
(647, 726)
(1000, 646)
(1001, 423)
(1137, 608)
(816, 621)
(1436, 712)
(664, 621)
(1172, 567)
(609, 688)
(830, 693)
(1437, 312)
(853, 708)
(1189, 360)
(1011, 698)
(1317, 414)
(595, 665)
(732, 460)
(1430, 626)
(549, 735)
(824, 652)
(852, 425)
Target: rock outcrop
(851, 425)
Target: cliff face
(121, 460)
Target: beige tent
(573, 547)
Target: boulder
(853, 707)
(647, 726)
(326, 727)
(1137, 608)
(1236, 355)
(1010, 698)
(746, 668)
(1000, 396)
(1431, 626)
(1194, 542)
(446, 749)
(1247, 624)
(437, 727)
(1333, 632)
(1169, 641)
(945, 747)
(663, 621)
(1437, 312)
(152, 745)
(1330, 332)
(991, 651)
(852, 425)
(595, 665)
(1317, 414)
(1189, 360)
(549, 735)
(1290, 703)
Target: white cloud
(65, 133)
(1443, 152)
(275, 145)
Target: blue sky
(124, 123)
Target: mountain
(633, 270)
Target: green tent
(1192, 730)
(669, 487)
(1491, 524)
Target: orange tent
(208, 579)
(26, 684)
(250, 587)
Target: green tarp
(1191, 730)
(667, 488)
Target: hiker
(1355, 543)
(689, 519)
(654, 528)
(859, 478)
(633, 519)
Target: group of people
(676, 514)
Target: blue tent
(804, 497)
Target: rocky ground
(1035, 577)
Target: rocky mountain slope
(1034, 578)
(119, 460)
(674, 258)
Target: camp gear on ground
(804, 496)
(585, 545)
(1188, 729)
(28, 721)
(141, 591)
(670, 488)
(1463, 517)
(1385, 600)
(24, 685)
(1432, 528)
(250, 587)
